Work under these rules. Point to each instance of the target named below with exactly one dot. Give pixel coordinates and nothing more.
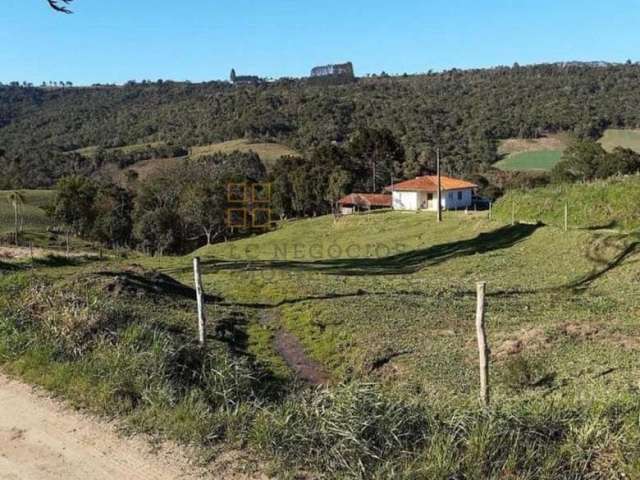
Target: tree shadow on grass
(9, 267)
(54, 261)
(605, 266)
(400, 263)
(149, 283)
(50, 261)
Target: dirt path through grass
(40, 439)
(292, 352)
(290, 348)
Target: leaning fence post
(199, 297)
(483, 347)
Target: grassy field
(537, 154)
(543, 160)
(543, 153)
(384, 303)
(613, 138)
(612, 203)
(146, 168)
(268, 152)
(90, 151)
(35, 219)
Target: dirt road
(41, 440)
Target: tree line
(464, 113)
(174, 210)
(184, 206)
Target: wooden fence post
(483, 347)
(200, 298)
(490, 210)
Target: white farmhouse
(421, 193)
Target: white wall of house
(457, 199)
(451, 200)
(405, 200)
(346, 210)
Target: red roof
(429, 183)
(366, 200)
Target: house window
(459, 195)
(450, 195)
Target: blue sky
(118, 40)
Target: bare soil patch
(40, 439)
(530, 340)
(547, 142)
(291, 350)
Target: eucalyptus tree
(17, 200)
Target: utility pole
(202, 320)
(439, 185)
(373, 176)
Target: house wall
(346, 210)
(405, 200)
(453, 201)
(419, 200)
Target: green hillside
(467, 111)
(544, 153)
(613, 202)
(367, 287)
(379, 306)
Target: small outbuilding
(359, 202)
(421, 193)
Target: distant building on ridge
(343, 70)
(244, 79)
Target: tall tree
(338, 185)
(113, 223)
(17, 200)
(580, 161)
(74, 206)
(379, 155)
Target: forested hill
(463, 112)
